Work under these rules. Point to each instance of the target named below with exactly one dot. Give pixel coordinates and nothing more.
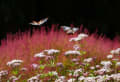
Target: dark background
(101, 14)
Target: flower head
(52, 51)
(109, 56)
(40, 55)
(72, 52)
(14, 63)
(88, 60)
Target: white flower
(34, 79)
(40, 55)
(23, 69)
(79, 37)
(75, 39)
(71, 80)
(115, 59)
(115, 52)
(77, 72)
(60, 79)
(116, 77)
(88, 60)
(51, 51)
(3, 73)
(92, 67)
(35, 66)
(106, 63)
(118, 64)
(81, 78)
(53, 73)
(103, 70)
(74, 52)
(70, 32)
(76, 47)
(14, 78)
(97, 66)
(14, 63)
(99, 78)
(89, 79)
(109, 56)
(82, 35)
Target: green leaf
(42, 67)
(91, 75)
(119, 71)
(15, 72)
(83, 52)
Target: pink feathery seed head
(96, 45)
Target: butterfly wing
(70, 32)
(75, 29)
(66, 28)
(42, 21)
(33, 23)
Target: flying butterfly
(69, 30)
(42, 21)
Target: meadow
(55, 56)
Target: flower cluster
(52, 57)
(79, 37)
(14, 63)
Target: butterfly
(39, 22)
(69, 30)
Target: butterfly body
(39, 22)
(70, 30)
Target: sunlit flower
(60, 79)
(75, 60)
(118, 64)
(85, 74)
(77, 72)
(81, 78)
(76, 47)
(34, 79)
(3, 73)
(115, 59)
(82, 35)
(89, 79)
(40, 55)
(71, 80)
(75, 39)
(14, 63)
(74, 52)
(35, 66)
(49, 58)
(106, 63)
(14, 78)
(88, 60)
(109, 56)
(97, 66)
(59, 64)
(100, 78)
(100, 71)
(54, 73)
(103, 70)
(115, 52)
(92, 67)
(52, 51)
(116, 77)
(24, 69)
(79, 37)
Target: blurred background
(101, 14)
